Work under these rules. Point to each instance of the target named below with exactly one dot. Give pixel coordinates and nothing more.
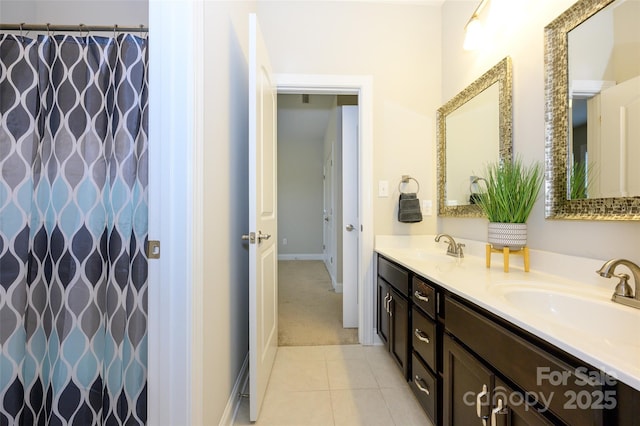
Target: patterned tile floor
(336, 385)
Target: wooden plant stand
(524, 251)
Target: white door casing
(327, 220)
(362, 85)
(263, 253)
(350, 216)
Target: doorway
(362, 86)
(317, 218)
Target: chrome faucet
(623, 293)
(454, 249)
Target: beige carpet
(309, 311)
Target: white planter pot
(512, 235)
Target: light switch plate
(383, 188)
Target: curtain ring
(48, 29)
(21, 25)
(115, 29)
(141, 28)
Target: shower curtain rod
(69, 28)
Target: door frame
(362, 85)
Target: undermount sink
(598, 318)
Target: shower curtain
(73, 226)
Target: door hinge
(153, 249)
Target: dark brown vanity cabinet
(468, 366)
(393, 311)
(407, 324)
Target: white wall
(398, 44)
(516, 28)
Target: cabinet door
(467, 387)
(382, 316)
(510, 408)
(399, 342)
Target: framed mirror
(592, 112)
(473, 129)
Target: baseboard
(311, 256)
(337, 287)
(231, 410)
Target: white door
(263, 256)
(620, 108)
(350, 217)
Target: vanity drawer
(395, 275)
(424, 338)
(424, 296)
(424, 386)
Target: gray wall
(89, 12)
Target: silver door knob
(262, 236)
(350, 227)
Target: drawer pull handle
(421, 336)
(420, 296)
(389, 306)
(479, 404)
(422, 386)
(498, 411)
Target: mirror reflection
(474, 128)
(604, 104)
(592, 54)
(472, 142)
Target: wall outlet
(427, 207)
(284, 241)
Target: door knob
(252, 237)
(350, 227)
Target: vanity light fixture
(473, 29)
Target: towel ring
(474, 197)
(406, 179)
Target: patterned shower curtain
(73, 226)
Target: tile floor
(336, 385)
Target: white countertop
(575, 277)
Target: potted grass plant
(512, 190)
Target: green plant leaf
(512, 190)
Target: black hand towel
(409, 208)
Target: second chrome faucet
(453, 249)
(623, 294)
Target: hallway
(309, 311)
